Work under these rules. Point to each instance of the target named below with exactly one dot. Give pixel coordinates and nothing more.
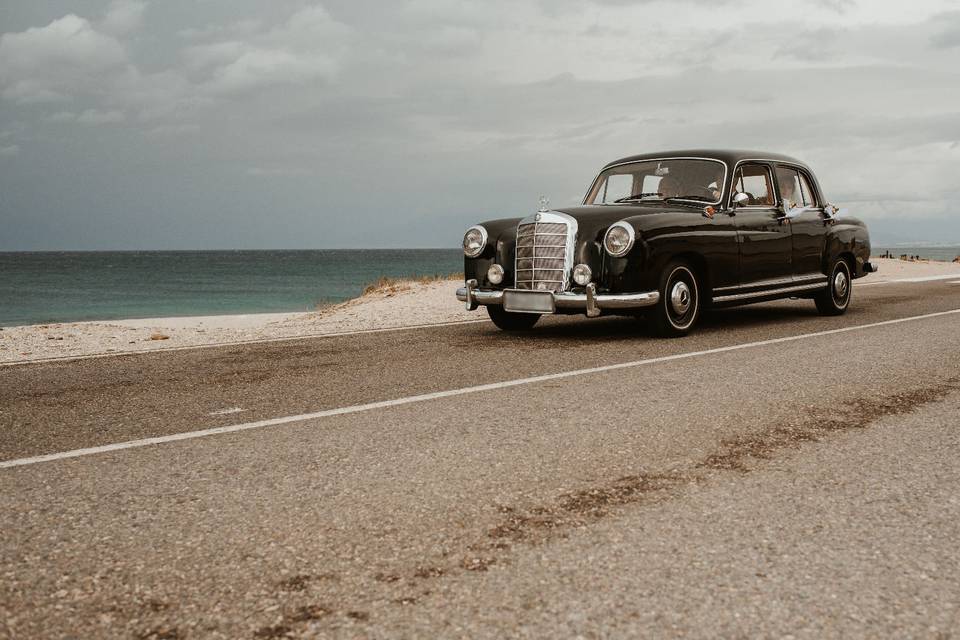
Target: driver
(669, 187)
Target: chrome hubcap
(840, 284)
(680, 298)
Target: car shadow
(615, 328)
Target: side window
(809, 195)
(619, 185)
(788, 180)
(755, 181)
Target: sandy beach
(404, 304)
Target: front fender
(710, 243)
(847, 236)
(501, 241)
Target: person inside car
(788, 192)
(668, 187)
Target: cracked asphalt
(803, 488)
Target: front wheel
(834, 300)
(678, 309)
(508, 321)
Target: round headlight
(619, 239)
(582, 275)
(474, 240)
(495, 274)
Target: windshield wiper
(697, 198)
(636, 196)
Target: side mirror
(741, 199)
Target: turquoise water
(37, 288)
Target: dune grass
(385, 284)
(388, 286)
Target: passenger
(788, 192)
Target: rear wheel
(508, 321)
(678, 309)
(834, 300)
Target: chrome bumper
(590, 301)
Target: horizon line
(451, 248)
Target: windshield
(670, 178)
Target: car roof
(729, 156)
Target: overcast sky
(349, 123)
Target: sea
(946, 253)
(49, 287)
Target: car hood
(594, 220)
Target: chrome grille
(542, 256)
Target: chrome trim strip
(812, 278)
(568, 300)
(609, 301)
(726, 173)
(770, 292)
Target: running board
(800, 288)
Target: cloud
(96, 116)
(303, 49)
(10, 151)
(89, 117)
(277, 171)
(840, 6)
(123, 17)
(240, 28)
(259, 68)
(62, 116)
(203, 57)
(949, 34)
(52, 63)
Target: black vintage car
(670, 233)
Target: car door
(764, 237)
(800, 201)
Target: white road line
(213, 345)
(190, 435)
(948, 276)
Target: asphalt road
(767, 476)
